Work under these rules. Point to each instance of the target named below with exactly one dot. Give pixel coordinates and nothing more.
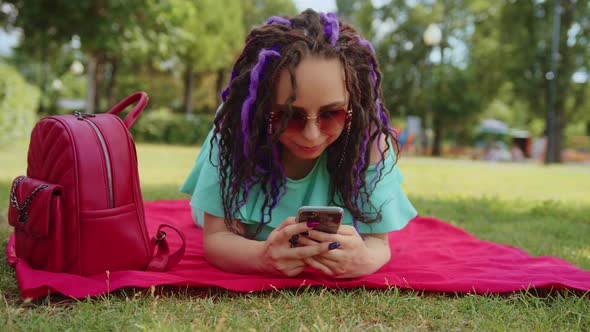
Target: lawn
(543, 210)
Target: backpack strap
(140, 97)
(163, 260)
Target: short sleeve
(202, 183)
(388, 197)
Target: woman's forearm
(233, 253)
(379, 252)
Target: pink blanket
(428, 254)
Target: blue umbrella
(493, 126)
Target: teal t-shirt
(202, 184)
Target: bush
(163, 126)
(18, 105)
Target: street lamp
(432, 37)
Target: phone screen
(329, 217)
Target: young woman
(302, 123)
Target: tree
(42, 37)
(201, 38)
(108, 30)
(403, 58)
(414, 84)
(256, 12)
(525, 38)
(457, 101)
(361, 14)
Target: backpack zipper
(83, 117)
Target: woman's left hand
(350, 256)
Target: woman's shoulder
(203, 166)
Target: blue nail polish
(293, 240)
(333, 245)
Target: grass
(543, 210)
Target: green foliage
(107, 29)
(73, 86)
(364, 20)
(163, 126)
(346, 9)
(49, 70)
(457, 102)
(508, 108)
(161, 87)
(201, 35)
(256, 12)
(18, 104)
(403, 59)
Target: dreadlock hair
(249, 155)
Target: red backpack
(79, 209)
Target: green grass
(543, 210)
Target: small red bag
(80, 209)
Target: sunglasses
(329, 121)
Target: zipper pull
(81, 115)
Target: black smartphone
(329, 217)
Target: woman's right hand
(280, 256)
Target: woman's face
(321, 92)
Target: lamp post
(552, 150)
(432, 37)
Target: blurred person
(516, 153)
(497, 152)
(302, 122)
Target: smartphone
(329, 217)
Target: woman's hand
(282, 255)
(348, 255)
(277, 255)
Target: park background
(449, 67)
(452, 65)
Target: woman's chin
(306, 152)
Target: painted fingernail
(313, 223)
(306, 233)
(293, 239)
(333, 245)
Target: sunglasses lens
(297, 121)
(332, 121)
(328, 121)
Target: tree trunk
(438, 132)
(436, 116)
(44, 71)
(112, 84)
(99, 80)
(219, 81)
(91, 81)
(562, 66)
(559, 126)
(188, 90)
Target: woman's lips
(309, 149)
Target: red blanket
(428, 254)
